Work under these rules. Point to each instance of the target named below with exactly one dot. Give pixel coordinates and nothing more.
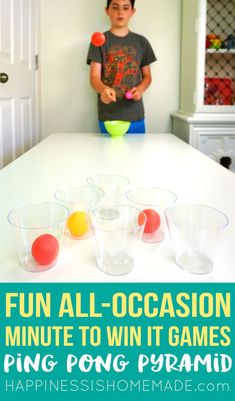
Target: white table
(156, 159)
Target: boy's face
(120, 12)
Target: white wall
(68, 102)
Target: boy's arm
(138, 91)
(107, 94)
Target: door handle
(3, 77)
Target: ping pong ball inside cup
(45, 249)
(78, 224)
(153, 202)
(98, 39)
(153, 220)
(80, 200)
(128, 95)
(39, 231)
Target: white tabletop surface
(160, 160)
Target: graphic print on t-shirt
(120, 69)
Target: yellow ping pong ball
(78, 224)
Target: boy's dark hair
(132, 3)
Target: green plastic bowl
(117, 128)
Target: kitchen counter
(160, 160)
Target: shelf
(220, 51)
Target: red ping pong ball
(98, 39)
(128, 95)
(45, 249)
(153, 221)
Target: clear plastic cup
(38, 230)
(116, 239)
(80, 200)
(153, 201)
(114, 187)
(195, 230)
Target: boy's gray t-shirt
(122, 59)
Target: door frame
(38, 106)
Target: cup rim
(120, 205)
(199, 205)
(87, 186)
(155, 204)
(23, 227)
(109, 175)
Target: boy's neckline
(120, 36)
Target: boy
(121, 65)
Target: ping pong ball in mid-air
(45, 249)
(78, 224)
(128, 95)
(98, 39)
(153, 221)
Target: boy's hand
(108, 95)
(136, 93)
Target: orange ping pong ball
(98, 39)
(45, 249)
(153, 221)
(77, 224)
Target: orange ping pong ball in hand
(78, 224)
(153, 221)
(45, 249)
(98, 39)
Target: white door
(18, 41)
